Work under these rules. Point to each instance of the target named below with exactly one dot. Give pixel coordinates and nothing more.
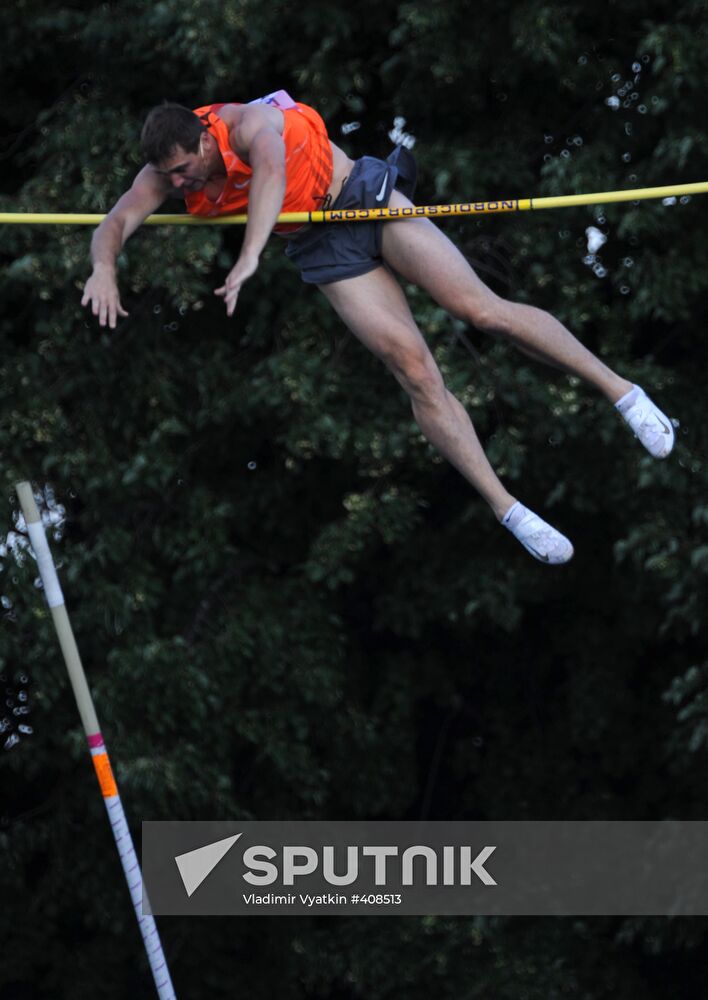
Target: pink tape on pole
(95, 740)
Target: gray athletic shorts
(331, 251)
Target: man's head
(176, 142)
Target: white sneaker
(537, 537)
(649, 424)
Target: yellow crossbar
(368, 214)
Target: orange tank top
(308, 166)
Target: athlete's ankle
(503, 507)
(619, 390)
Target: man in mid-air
(274, 155)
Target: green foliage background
(287, 605)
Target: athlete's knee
(416, 370)
(490, 314)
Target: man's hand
(101, 290)
(147, 193)
(244, 267)
(257, 140)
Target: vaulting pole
(99, 754)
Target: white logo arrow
(194, 866)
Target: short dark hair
(167, 126)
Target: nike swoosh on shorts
(382, 189)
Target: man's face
(185, 171)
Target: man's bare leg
(422, 254)
(375, 309)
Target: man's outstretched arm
(148, 192)
(256, 139)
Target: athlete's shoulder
(228, 113)
(231, 114)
